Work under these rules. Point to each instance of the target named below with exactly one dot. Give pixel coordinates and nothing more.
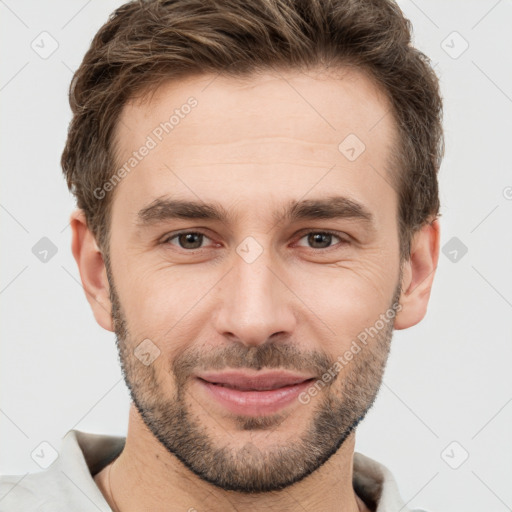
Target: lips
(245, 381)
(252, 393)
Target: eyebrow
(334, 207)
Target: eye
(193, 240)
(187, 240)
(322, 239)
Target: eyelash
(343, 241)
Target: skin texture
(252, 145)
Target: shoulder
(376, 485)
(68, 483)
(29, 492)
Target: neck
(147, 477)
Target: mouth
(254, 394)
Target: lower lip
(254, 403)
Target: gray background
(447, 390)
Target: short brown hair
(145, 43)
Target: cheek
(159, 302)
(349, 298)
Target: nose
(255, 302)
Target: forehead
(254, 133)
(330, 102)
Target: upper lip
(254, 381)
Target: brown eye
(189, 240)
(321, 239)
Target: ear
(92, 269)
(418, 275)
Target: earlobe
(92, 269)
(418, 275)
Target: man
(257, 211)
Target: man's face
(256, 290)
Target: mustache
(237, 356)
